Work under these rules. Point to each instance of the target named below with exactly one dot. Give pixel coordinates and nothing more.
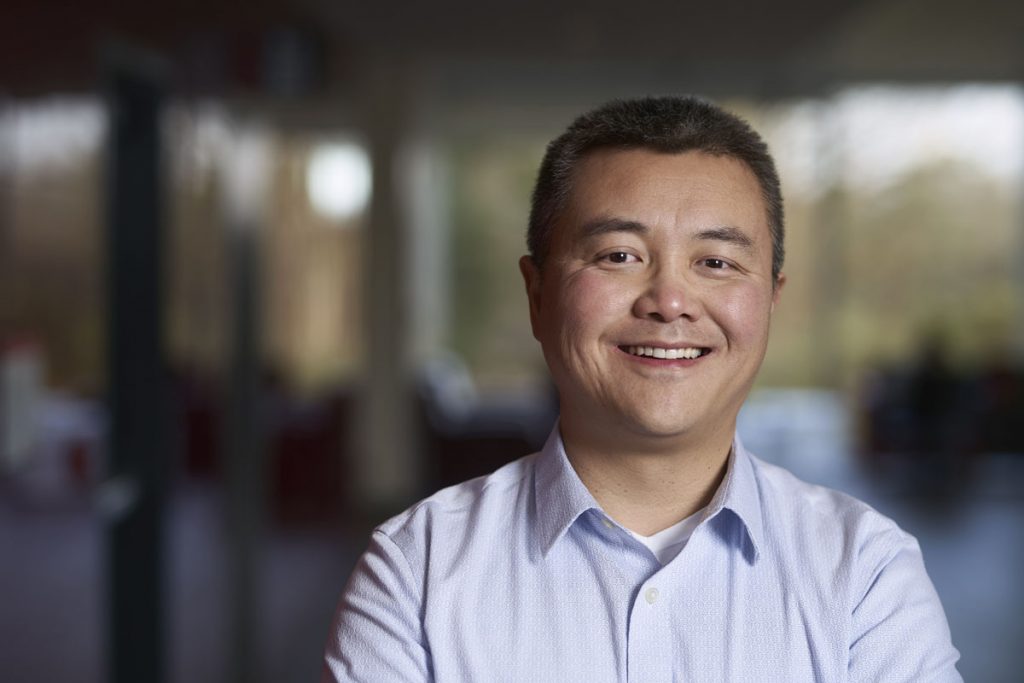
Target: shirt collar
(740, 494)
(561, 497)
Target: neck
(649, 484)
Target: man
(644, 543)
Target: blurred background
(258, 291)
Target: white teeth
(668, 354)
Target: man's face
(654, 301)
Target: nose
(666, 297)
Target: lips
(666, 352)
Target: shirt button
(651, 595)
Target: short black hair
(661, 124)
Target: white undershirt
(667, 543)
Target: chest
(611, 613)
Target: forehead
(644, 181)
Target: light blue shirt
(520, 576)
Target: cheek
(587, 303)
(744, 312)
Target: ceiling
(524, 51)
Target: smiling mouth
(687, 353)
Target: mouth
(666, 353)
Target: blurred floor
(51, 545)
(52, 586)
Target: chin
(663, 427)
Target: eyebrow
(729, 234)
(601, 226)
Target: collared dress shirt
(520, 576)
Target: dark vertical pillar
(136, 380)
(244, 461)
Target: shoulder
(416, 562)
(462, 500)
(481, 507)
(830, 526)
(785, 493)
(860, 562)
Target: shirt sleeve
(900, 632)
(377, 633)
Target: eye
(716, 263)
(619, 257)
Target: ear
(531, 278)
(780, 281)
